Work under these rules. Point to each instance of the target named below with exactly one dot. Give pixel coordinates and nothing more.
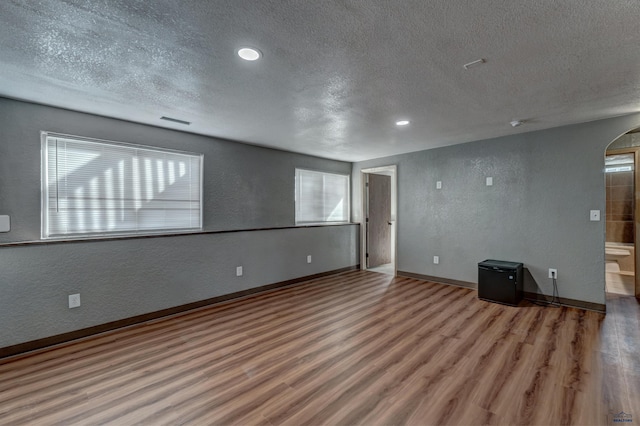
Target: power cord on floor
(555, 299)
(556, 296)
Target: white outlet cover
(439, 184)
(309, 259)
(5, 223)
(594, 215)
(489, 181)
(436, 260)
(238, 271)
(74, 300)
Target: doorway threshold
(387, 268)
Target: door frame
(636, 211)
(392, 171)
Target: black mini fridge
(500, 281)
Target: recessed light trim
(402, 122)
(249, 53)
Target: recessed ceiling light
(402, 122)
(249, 53)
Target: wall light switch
(490, 181)
(595, 216)
(439, 184)
(238, 271)
(436, 260)
(5, 223)
(309, 259)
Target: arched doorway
(622, 183)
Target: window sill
(165, 235)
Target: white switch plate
(489, 181)
(439, 184)
(5, 223)
(238, 271)
(594, 216)
(436, 260)
(309, 259)
(553, 273)
(74, 300)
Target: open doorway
(622, 215)
(379, 215)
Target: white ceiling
(336, 74)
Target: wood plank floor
(353, 348)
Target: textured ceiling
(336, 74)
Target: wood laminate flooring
(353, 348)
(387, 268)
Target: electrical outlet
(74, 300)
(309, 259)
(553, 273)
(594, 215)
(439, 184)
(238, 271)
(436, 260)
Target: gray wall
(537, 211)
(245, 187)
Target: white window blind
(93, 188)
(321, 197)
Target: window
(619, 163)
(96, 188)
(321, 197)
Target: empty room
(343, 212)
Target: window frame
(316, 223)
(44, 180)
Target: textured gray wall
(536, 212)
(244, 187)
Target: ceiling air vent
(175, 120)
